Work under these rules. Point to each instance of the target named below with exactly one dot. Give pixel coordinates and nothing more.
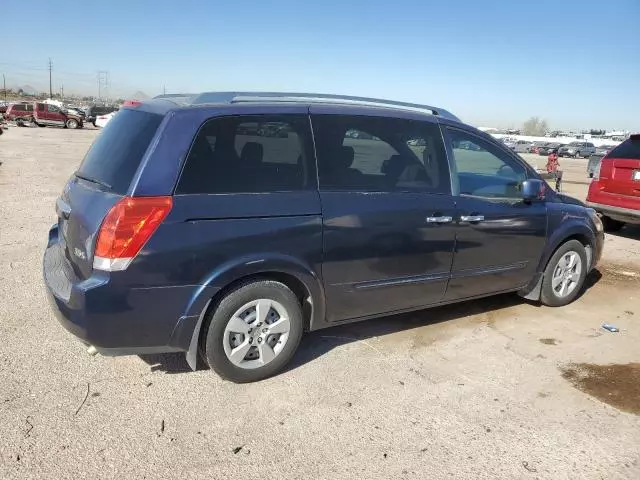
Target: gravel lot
(498, 388)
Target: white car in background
(102, 120)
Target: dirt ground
(497, 388)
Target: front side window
(483, 169)
(358, 153)
(249, 154)
(53, 109)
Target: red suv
(615, 191)
(19, 110)
(52, 115)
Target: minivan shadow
(318, 343)
(631, 232)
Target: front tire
(72, 123)
(254, 331)
(564, 275)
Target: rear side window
(250, 154)
(117, 152)
(630, 148)
(359, 153)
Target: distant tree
(535, 127)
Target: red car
(46, 114)
(19, 110)
(615, 192)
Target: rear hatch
(102, 179)
(622, 174)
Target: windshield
(628, 149)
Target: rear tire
(236, 328)
(611, 225)
(564, 275)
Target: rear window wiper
(93, 180)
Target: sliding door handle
(471, 218)
(439, 219)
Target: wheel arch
(577, 231)
(300, 278)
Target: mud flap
(192, 353)
(534, 289)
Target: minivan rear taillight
(126, 228)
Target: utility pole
(4, 87)
(164, 90)
(61, 90)
(50, 84)
(103, 84)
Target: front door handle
(471, 218)
(439, 219)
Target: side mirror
(533, 189)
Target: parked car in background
(509, 142)
(20, 111)
(50, 115)
(75, 111)
(549, 148)
(95, 111)
(102, 120)
(577, 149)
(615, 190)
(604, 149)
(3, 108)
(180, 232)
(522, 146)
(593, 165)
(536, 146)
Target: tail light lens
(127, 227)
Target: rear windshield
(630, 148)
(117, 152)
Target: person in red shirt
(552, 167)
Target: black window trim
(311, 163)
(453, 168)
(426, 121)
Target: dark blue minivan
(226, 224)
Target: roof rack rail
(239, 97)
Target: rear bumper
(626, 215)
(116, 320)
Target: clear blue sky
(493, 63)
